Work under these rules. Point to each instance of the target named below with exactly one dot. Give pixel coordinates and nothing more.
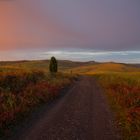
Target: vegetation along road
(82, 114)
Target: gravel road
(82, 114)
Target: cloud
(74, 55)
(90, 53)
(100, 25)
(82, 55)
(75, 30)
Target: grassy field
(121, 83)
(105, 68)
(25, 84)
(123, 92)
(43, 65)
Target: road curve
(82, 114)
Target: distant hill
(134, 65)
(105, 67)
(41, 64)
(68, 66)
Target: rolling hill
(105, 67)
(90, 67)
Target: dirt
(81, 114)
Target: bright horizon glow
(74, 55)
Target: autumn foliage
(123, 91)
(21, 91)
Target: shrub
(20, 92)
(123, 92)
(16, 82)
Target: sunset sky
(80, 30)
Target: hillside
(69, 66)
(105, 67)
(41, 65)
(28, 84)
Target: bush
(34, 88)
(16, 82)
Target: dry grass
(24, 85)
(22, 90)
(122, 85)
(104, 68)
(123, 92)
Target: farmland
(64, 65)
(121, 84)
(105, 68)
(26, 84)
(123, 92)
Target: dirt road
(82, 114)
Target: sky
(80, 30)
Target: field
(121, 83)
(105, 68)
(26, 84)
(123, 92)
(64, 65)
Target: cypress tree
(53, 65)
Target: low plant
(20, 92)
(123, 92)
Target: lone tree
(53, 65)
